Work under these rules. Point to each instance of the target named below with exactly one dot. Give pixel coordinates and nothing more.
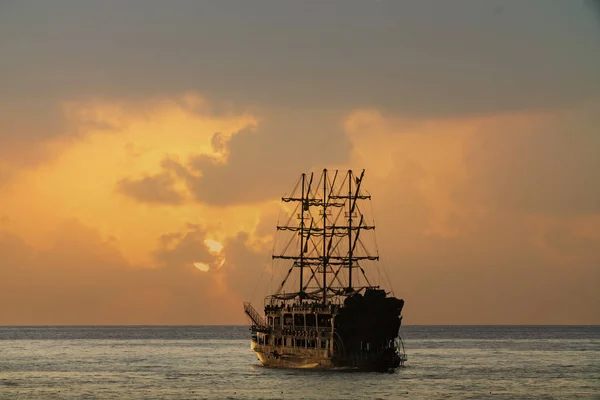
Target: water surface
(455, 362)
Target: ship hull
(282, 357)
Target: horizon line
(247, 325)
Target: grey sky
(414, 57)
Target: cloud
(83, 278)
(32, 131)
(237, 268)
(318, 61)
(261, 161)
(501, 209)
(455, 263)
(27, 132)
(247, 268)
(178, 250)
(418, 58)
(157, 189)
(5, 173)
(570, 247)
(498, 263)
(149, 125)
(549, 166)
(594, 6)
(94, 177)
(257, 164)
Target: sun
(213, 246)
(202, 266)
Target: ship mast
(322, 243)
(301, 292)
(349, 232)
(324, 236)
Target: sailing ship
(327, 312)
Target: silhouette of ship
(326, 313)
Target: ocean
(215, 362)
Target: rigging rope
(381, 259)
(266, 264)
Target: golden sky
(142, 157)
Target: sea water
(215, 362)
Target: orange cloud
(81, 181)
(488, 208)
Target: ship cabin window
(277, 322)
(311, 320)
(267, 340)
(311, 343)
(288, 320)
(300, 343)
(324, 320)
(260, 339)
(324, 344)
(298, 320)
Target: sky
(145, 145)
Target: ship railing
(301, 331)
(304, 328)
(254, 316)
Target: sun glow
(213, 246)
(202, 267)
